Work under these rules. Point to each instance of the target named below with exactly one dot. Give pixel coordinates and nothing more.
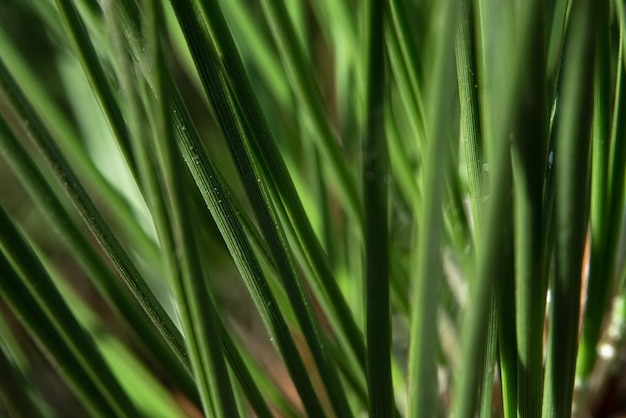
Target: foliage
(326, 208)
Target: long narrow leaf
(61, 128)
(377, 268)
(601, 226)
(528, 159)
(37, 286)
(106, 282)
(199, 318)
(422, 376)
(471, 135)
(299, 71)
(217, 82)
(35, 320)
(13, 391)
(279, 182)
(96, 75)
(90, 215)
(572, 164)
(219, 202)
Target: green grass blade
(38, 287)
(617, 178)
(96, 75)
(377, 264)
(276, 398)
(75, 151)
(98, 271)
(198, 317)
(549, 189)
(138, 379)
(422, 374)
(342, 204)
(240, 370)
(485, 403)
(313, 255)
(219, 202)
(498, 331)
(220, 84)
(572, 158)
(490, 264)
(298, 68)
(90, 215)
(601, 128)
(600, 261)
(618, 143)
(507, 338)
(407, 44)
(494, 231)
(556, 19)
(471, 132)
(325, 285)
(505, 85)
(399, 162)
(273, 169)
(405, 74)
(14, 394)
(254, 39)
(281, 188)
(529, 161)
(171, 236)
(334, 305)
(41, 328)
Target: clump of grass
(312, 208)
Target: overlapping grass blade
(220, 204)
(403, 38)
(556, 19)
(241, 124)
(241, 371)
(77, 155)
(402, 78)
(88, 212)
(30, 291)
(471, 132)
(14, 393)
(601, 274)
(530, 133)
(572, 160)
(226, 216)
(169, 204)
(471, 135)
(35, 320)
(281, 186)
(500, 90)
(199, 318)
(97, 76)
(377, 263)
(617, 159)
(298, 69)
(241, 17)
(325, 285)
(490, 264)
(139, 379)
(422, 372)
(617, 178)
(513, 61)
(505, 317)
(399, 161)
(98, 271)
